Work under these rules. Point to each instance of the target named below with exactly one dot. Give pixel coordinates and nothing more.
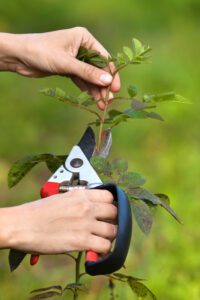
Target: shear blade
(88, 143)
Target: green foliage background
(166, 153)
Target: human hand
(74, 221)
(54, 53)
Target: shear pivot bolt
(76, 163)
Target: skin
(80, 219)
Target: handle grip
(48, 189)
(115, 260)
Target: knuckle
(90, 71)
(87, 207)
(107, 196)
(106, 246)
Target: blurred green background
(166, 153)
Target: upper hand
(54, 53)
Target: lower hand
(78, 220)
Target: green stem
(102, 120)
(77, 274)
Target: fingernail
(106, 78)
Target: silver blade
(88, 143)
(106, 144)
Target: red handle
(48, 189)
(91, 256)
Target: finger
(104, 230)
(89, 73)
(93, 90)
(115, 85)
(99, 244)
(103, 196)
(105, 211)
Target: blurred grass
(166, 153)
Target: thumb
(89, 73)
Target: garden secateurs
(77, 173)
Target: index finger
(103, 196)
(95, 45)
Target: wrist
(10, 50)
(7, 216)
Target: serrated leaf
(53, 92)
(121, 58)
(124, 276)
(143, 194)
(138, 105)
(114, 112)
(100, 164)
(169, 96)
(137, 46)
(132, 90)
(53, 162)
(59, 94)
(128, 52)
(45, 295)
(164, 198)
(133, 114)
(142, 114)
(92, 57)
(143, 215)
(154, 115)
(119, 166)
(140, 289)
(131, 180)
(53, 287)
(20, 168)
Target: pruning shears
(77, 173)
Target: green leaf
(133, 114)
(59, 94)
(169, 96)
(53, 162)
(139, 105)
(92, 57)
(143, 215)
(121, 59)
(143, 194)
(114, 112)
(119, 166)
(100, 164)
(142, 114)
(45, 295)
(124, 276)
(137, 46)
(132, 90)
(140, 289)
(53, 287)
(154, 115)
(164, 198)
(54, 92)
(131, 180)
(118, 119)
(128, 52)
(20, 168)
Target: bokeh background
(167, 153)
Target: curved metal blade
(88, 143)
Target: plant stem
(102, 120)
(77, 274)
